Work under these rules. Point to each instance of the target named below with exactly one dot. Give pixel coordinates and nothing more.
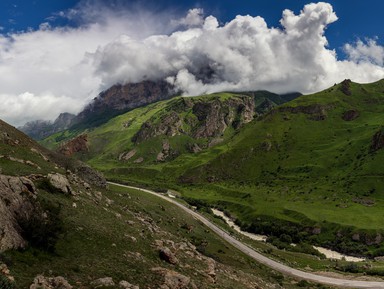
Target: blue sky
(357, 19)
(57, 55)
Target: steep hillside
(115, 100)
(312, 165)
(62, 228)
(165, 130)
(315, 164)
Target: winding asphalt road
(262, 259)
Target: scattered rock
(41, 282)
(173, 280)
(61, 183)
(76, 145)
(106, 281)
(167, 255)
(5, 272)
(139, 160)
(194, 148)
(127, 155)
(126, 285)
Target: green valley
(310, 169)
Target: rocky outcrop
(377, 142)
(350, 115)
(167, 255)
(121, 98)
(314, 111)
(345, 87)
(173, 279)
(203, 118)
(76, 145)
(215, 116)
(41, 282)
(60, 183)
(4, 271)
(169, 125)
(90, 175)
(103, 282)
(165, 153)
(127, 155)
(16, 202)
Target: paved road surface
(264, 260)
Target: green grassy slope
(114, 232)
(307, 169)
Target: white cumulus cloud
(52, 70)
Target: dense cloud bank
(52, 70)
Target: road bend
(261, 258)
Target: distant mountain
(109, 103)
(122, 98)
(40, 129)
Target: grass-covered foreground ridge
(309, 170)
(61, 227)
(120, 233)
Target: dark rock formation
(345, 87)
(206, 118)
(122, 98)
(377, 140)
(169, 125)
(167, 255)
(315, 111)
(350, 115)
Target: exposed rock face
(208, 118)
(41, 282)
(40, 129)
(169, 125)
(106, 281)
(91, 176)
(76, 145)
(377, 141)
(215, 116)
(315, 111)
(174, 280)
(167, 255)
(350, 115)
(60, 183)
(346, 87)
(120, 98)
(15, 202)
(127, 155)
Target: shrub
(43, 228)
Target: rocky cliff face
(16, 202)
(121, 98)
(76, 145)
(203, 118)
(109, 103)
